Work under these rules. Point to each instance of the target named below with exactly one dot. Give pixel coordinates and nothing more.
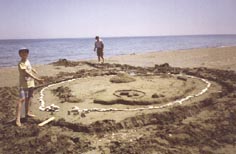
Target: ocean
(44, 51)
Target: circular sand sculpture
(129, 94)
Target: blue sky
(22, 19)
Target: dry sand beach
(175, 102)
(220, 58)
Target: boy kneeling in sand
(26, 79)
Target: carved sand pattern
(178, 101)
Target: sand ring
(118, 94)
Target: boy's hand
(41, 81)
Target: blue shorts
(26, 92)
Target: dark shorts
(26, 92)
(100, 52)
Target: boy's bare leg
(27, 107)
(98, 58)
(102, 59)
(18, 112)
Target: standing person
(99, 45)
(26, 79)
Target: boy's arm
(33, 76)
(34, 71)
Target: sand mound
(66, 63)
(122, 78)
(64, 93)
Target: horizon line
(52, 38)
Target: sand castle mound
(122, 78)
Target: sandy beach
(176, 102)
(220, 58)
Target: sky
(32, 19)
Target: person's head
(23, 53)
(97, 38)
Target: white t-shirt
(99, 44)
(25, 80)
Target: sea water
(44, 51)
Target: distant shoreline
(141, 53)
(44, 51)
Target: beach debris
(41, 108)
(52, 108)
(46, 121)
(75, 109)
(85, 110)
(83, 115)
(151, 107)
(99, 91)
(132, 74)
(182, 78)
(155, 95)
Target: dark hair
(24, 50)
(97, 37)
